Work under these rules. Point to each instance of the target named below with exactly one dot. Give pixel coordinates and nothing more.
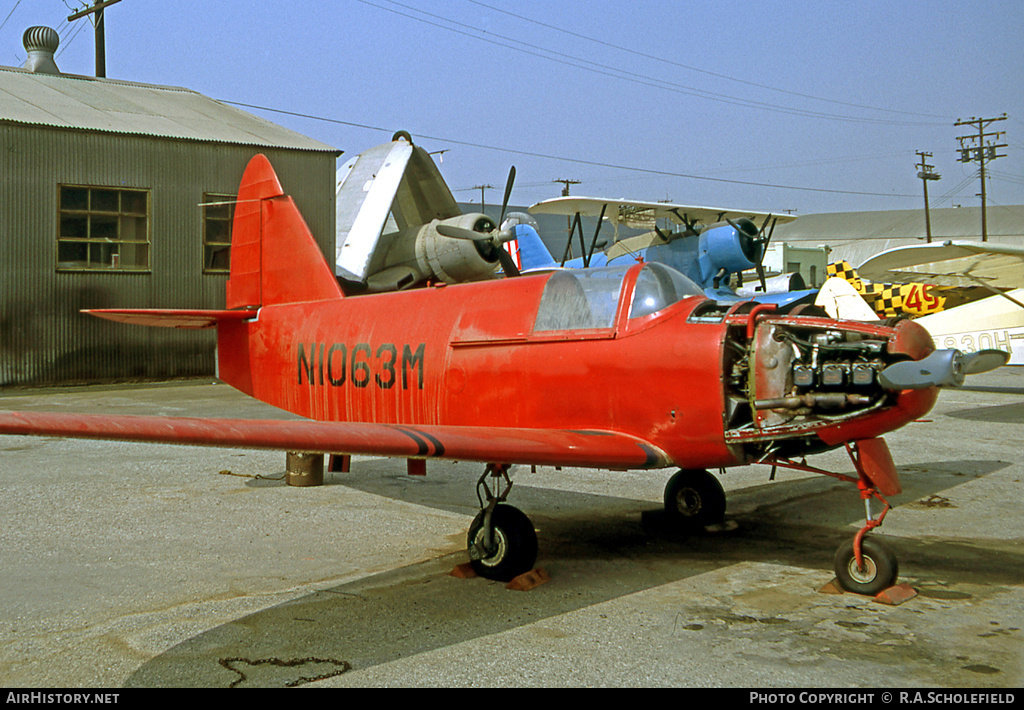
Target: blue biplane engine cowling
(728, 249)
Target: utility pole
(566, 183)
(926, 173)
(975, 148)
(481, 188)
(101, 51)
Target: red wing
(592, 449)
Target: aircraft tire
(694, 499)
(881, 568)
(515, 544)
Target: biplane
(710, 245)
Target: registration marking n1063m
(361, 365)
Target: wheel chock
(523, 583)
(894, 596)
(832, 587)
(463, 571)
(529, 580)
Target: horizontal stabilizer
(592, 449)
(171, 318)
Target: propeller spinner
(754, 243)
(490, 243)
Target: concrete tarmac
(153, 565)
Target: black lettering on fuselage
(305, 365)
(335, 374)
(386, 376)
(360, 368)
(412, 360)
(359, 365)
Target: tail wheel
(513, 545)
(879, 572)
(694, 499)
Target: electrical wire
(518, 45)
(578, 161)
(718, 75)
(9, 14)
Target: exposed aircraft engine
(793, 372)
(398, 224)
(426, 253)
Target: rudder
(274, 258)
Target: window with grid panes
(103, 229)
(218, 213)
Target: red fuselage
(474, 355)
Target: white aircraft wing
(1000, 266)
(381, 195)
(366, 187)
(637, 214)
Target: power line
(578, 161)
(9, 14)
(606, 70)
(698, 69)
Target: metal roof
(856, 236)
(947, 223)
(84, 103)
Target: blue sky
(768, 105)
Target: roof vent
(41, 43)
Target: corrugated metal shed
(173, 145)
(83, 103)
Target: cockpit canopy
(585, 299)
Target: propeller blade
(984, 361)
(768, 238)
(448, 230)
(508, 264)
(508, 193)
(943, 368)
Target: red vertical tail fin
(274, 261)
(274, 258)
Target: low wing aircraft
(398, 224)
(706, 244)
(892, 300)
(502, 372)
(968, 295)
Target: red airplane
(621, 368)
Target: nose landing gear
(874, 572)
(864, 565)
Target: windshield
(657, 287)
(577, 299)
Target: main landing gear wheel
(512, 549)
(878, 573)
(694, 499)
